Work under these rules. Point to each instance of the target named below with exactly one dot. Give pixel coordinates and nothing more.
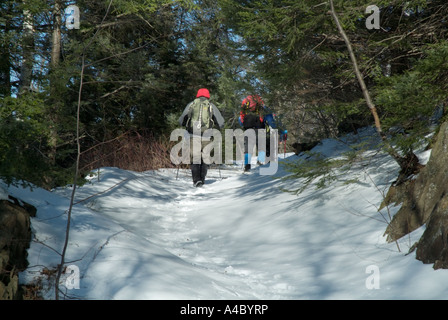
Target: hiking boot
(247, 168)
(198, 184)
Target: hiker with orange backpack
(252, 117)
(256, 115)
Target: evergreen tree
(303, 61)
(144, 61)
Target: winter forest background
(133, 66)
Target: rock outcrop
(425, 201)
(15, 237)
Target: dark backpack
(200, 115)
(251, 109)
(252, 117)
(252, 121)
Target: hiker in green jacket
(198, 116)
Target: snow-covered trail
(151, 236)
(213, 228)
(248, 238)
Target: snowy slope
(152, 235)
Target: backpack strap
(210, 110)
(190, 110)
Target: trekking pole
(284, 149)
(177, 174)
(284, 143)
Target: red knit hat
(203, 93)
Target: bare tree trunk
(56, 36)
(27, 52)
(409, 163)
(78, 156)
(365, 92)
(75, 182)
(55, 99)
